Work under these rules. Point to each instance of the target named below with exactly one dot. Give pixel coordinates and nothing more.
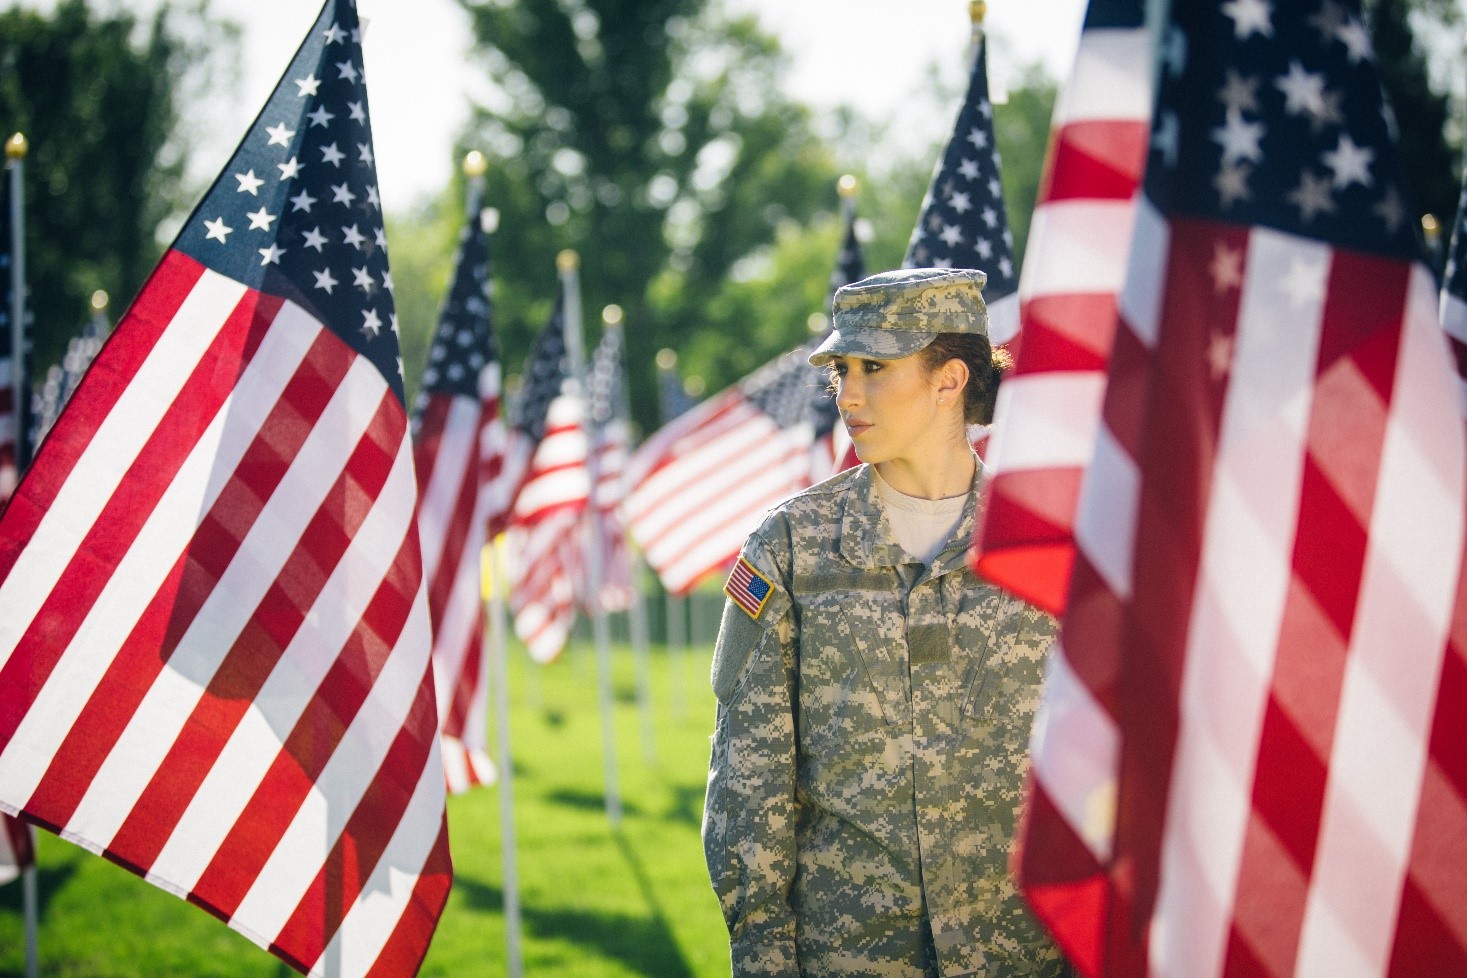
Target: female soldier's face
(889, 407)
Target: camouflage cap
(894, 314)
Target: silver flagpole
(675, 607)
(569, 263)
(611, 318)
(499, 655)
(15, 151)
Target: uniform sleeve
(750, 811)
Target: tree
(98, 98)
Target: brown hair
(986, 367)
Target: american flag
(214, 635)
(17, 848)
(700, 484)
(1249, 757)
(9, 423)
(1454, 293)
(833, 451)
(963, 222)
(548, 453)
(459, 445)
(1049, 405)
(611, 436)
(62, 378)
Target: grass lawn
(595, 903)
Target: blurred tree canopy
(98, 97)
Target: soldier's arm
(750, 811)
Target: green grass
(595, 903)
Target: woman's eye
(871, 366)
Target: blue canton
(1272, 115)
(546, 373)
(296, 212)
(850, 266)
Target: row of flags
(243, 641)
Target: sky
(872, 54)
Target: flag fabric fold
(548, 452)
(1248, 756)
(1049, 405)
(458, 453)
(214, 634)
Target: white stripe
(1074, 753)
(317, 825)
(1407, 594)
(692, 458)
(457, 622)
(1238, 605)
(1140, 301)
(148, 561)
(562, 447)
(1080, 247)
(1003, 319)
(272, 539)
(256, 742)
(455, 764)
(1049, 421)
(454, 456)
(563, 486)
(1105, 520)
(1111, 78)
(119, 439)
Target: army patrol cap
(894, 314)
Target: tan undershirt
(922, 526)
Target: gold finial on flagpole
(1430, 229)
(99, 301)
(475, 165)
(611, 315)
(567, 261)
(847, 186)
(666, 358)
(977, 10)
(16, 147)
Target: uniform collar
(866, 537)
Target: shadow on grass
(687, 804)
(590, 801)
(50, 880)
(644, 944)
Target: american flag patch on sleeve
(747, 588)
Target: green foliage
(595, 903)
(98, 96)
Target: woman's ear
(952, 377)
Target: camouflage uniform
(873, 721)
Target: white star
(372, 197)
(371, 324)
(1174, 52)
(358, 113)
(320, 117)
(1350, 163)
(1312, 196)
(315, 239)
(380, 237)
(325, 280)
(978, 138)
(1231, 183)
(261, 220)
(341, 194)
(347, 69)
(984, 248)
(330, 154)
(364, 152)
(362, 279)
(249, 183)
(968, 169)
(1303, 90)
(1166, 139)
(302, 201)
(218, 230)
(1249, 17)
(952, 235)
(334, 34)
(1391, 210)
(353, 237)
(990, 217)
(1006, 268)
(289, 169)
(356, 35)
(942, 263)
(1239, 93)
(1304, 282)
(1356, 40)
(387, 280)
(1239, 140)
(308, 85)
(961, 203)
(995, 189)
(985, 109)
(279, 135)
(271, 255)
(1226, 267)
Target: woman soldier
(874, 697)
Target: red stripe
(110, 707)
(316, 735)
(467, 682)
(428, 438)
(1097, 160)
(1073, 331)
(456, 536)
(405, 949)
(148, 477)
(365, 837)
(258, 649)
(1060, 879)
(700, 499)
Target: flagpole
(611, 318)
(568, 263)
(498, 653)
(675, 606)
(15, 152)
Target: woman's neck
(940, 476)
